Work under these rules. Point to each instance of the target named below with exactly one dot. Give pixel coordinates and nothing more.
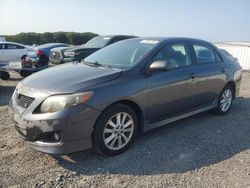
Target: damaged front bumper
(54, 136)
(55, 133)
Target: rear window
(14, 46)
(11, 46)
(204, 54)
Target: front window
(124, 54)
(177, 55)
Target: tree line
(42, 38)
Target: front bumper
(52, 146)
(55, 133)
(62, 148)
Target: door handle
(223, 70)
(192, 75)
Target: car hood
(70, 78)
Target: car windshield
(123, 54)
(97, 42)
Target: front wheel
(225, 100)
(115, 130)
(4, 75)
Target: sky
(213, 20)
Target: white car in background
(11, 53)
(2, 39)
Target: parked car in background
(44, 50)
(37, 58)
(56, 55)
(30, 66)
(59, 56)
(11, 51)
(130, 86)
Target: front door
(172, 92)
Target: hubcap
(226, 100)
(118, 131)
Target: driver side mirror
(158, 66)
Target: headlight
(59, 102)
(19, 85)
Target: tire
(225, 100)
(112, 137)
(5, 75)
(25, 73)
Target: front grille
(55, 57)
(24, 101)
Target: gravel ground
(205, 150)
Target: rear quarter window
(218, 57)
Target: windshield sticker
(149, 41)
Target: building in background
(239, 50)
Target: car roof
(168, 39)
(114, 36)
(7, 42)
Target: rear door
(211, 73)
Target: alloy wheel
(226, 100)
(118, 131)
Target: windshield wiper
(97, 64)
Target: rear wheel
(25, 73)
(115, 130)
(225, 100)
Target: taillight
(39, 52)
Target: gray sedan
(128, 87)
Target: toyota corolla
(128, 87)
